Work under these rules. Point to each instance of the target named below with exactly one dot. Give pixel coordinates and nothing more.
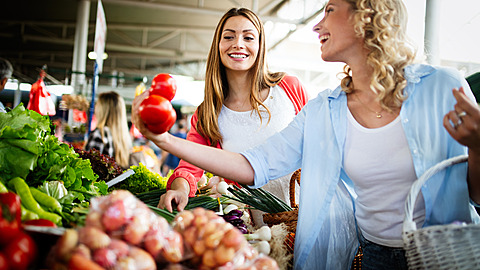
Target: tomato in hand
(163, 85)
(21, 252)
(157, 114)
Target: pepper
(30, 203)
(10, 214)
(48, 202)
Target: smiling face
(239, 44)
(339, 42)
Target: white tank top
(379, 163)
(242, 130)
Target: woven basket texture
(449, 246)
(444, 247)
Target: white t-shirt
(379, 163)
(242, 130)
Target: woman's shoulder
(416, 72)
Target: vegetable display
(143, 180)
(102, 165)
(121, 230)
(29, 202)
(156, 111)
(29, 150)
(31, 156)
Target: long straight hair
(110, 112)
(216, 84)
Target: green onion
(259, 199)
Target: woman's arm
(217, 161)
(466, 130)
(185, 170)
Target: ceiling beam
(162, 6)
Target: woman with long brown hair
(244, 102)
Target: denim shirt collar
(413, 74)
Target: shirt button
(415, 151)
(405, 121)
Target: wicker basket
(449, 246)
(288, 217)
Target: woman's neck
(361, 74)
(239, 86)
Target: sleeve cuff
(187, 176)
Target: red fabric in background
(40, 100)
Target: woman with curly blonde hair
(363, 144)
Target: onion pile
(217, 244)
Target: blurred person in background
(111, 136)
(6, 71)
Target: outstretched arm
(217, 161)
(466, 130)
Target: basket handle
(408, 223)
(295, 177)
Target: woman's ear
(3, 82)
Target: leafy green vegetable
(29, 150)
(55, 189)
(142, 180)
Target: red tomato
(163, 85)
(3, 262)
(21, 252)
(157, 114)
(40, 222)
(10, 213)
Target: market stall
(79, 210)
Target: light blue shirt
(326, 236)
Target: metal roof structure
(144, 37)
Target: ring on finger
(459, 122)
(462, 114)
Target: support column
(80, 46)
(432, 31)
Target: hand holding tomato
(156, 111)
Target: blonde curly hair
(382, 25)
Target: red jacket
(191, 173)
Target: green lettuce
(29, 149)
